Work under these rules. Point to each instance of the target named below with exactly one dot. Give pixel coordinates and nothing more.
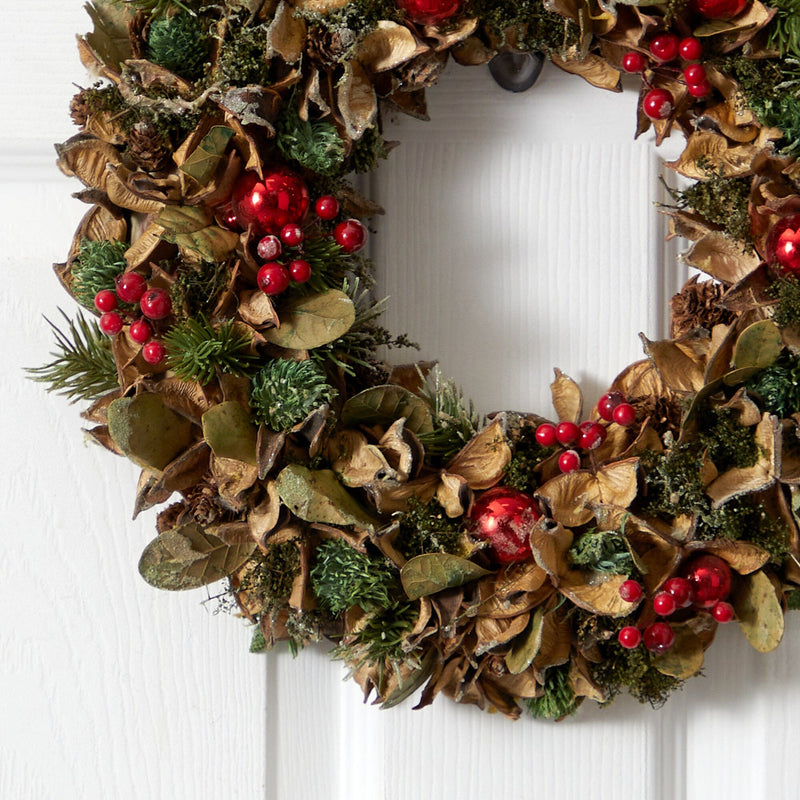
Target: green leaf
(184, 219)
(685, 658)
(386, 404)
(230, 433)
(211, 243)
(526, 646)
(203, 162)
(309, 322)
(758, 345)
(758, 609)
(148, 432)
(433, 572)
(110, 39)
(317, 496)
(187, 557)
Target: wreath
(231, 349)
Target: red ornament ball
(631, 591)
(504, 518)
(130, 287)
(350, 235)
(567, 433)
(664, 604)
(105, 300)
(607, 403)
(140, 331)
(327, 207)
(592, 435)
(300, 270)
(429, 12)
(629, 637)
(719, 9)
(292, 235)
(659, 637)
(658, 104)
(633, 62)
(269, 248)
(680, 589)
(722, 612)
(546, 435)
(710, 580)
(690, 49)
(665, 47)
(156, 304)
(110, 323)
(783, 244)
(273, 278)
(268, 204)
(154, 352)
(625, 414)
(569, 461)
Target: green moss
(273, 574)
(786, 291)
(243, 55)
(777, 388)
(197, 287)
(793, 600)
(358, 16)
(602, 551)
(745, 519)
(96, 266)
(558, 700)
(425, 528)
(728, 443)
(368, 151)
(672, 481)
(179, 43)
(528, 454)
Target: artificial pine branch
(784, 28)
(313, 144)
(84, 367)
(179, 43)
(96, 266)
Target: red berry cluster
(154, 304)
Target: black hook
(516, 72)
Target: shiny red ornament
(280, 198)
(719, 9)
(710, 579)
(783, 244)
(429, 12)
(504, 517)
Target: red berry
(567, 433)
(592, 435)
(130, 287)
(155, 304)
(702, 89)
(710, 579)
(292, 235)
(350, 235)
(327, 207)
(111, 323)
(633, 62)
(273, 278)
(607, 403)
(680, 589)
(690, 49)
(664, 604)
(629, 637)
(630, 591)
(694, 73)
(569, 461)
(154, 352)
(659, 637)
(658, 104)
(300, 270)
(665, 47)
(269, 248)
(141, 331)
(722, 612)
(546, 434)
(625, 414)
(105, 300)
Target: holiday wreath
(513, 562)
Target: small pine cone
(146, 147)
(421, 72)
(697, 306)
(79, 109)
(330, 47)
(203, 504)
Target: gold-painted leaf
(681, 364)
(744, 557)
(433, 572)
(86, 159)
(598, 592)
(526, 645)
(184, 219)
(758, 609)
(759, 345)
(309, 322)
(722, 258)
(358, 103)
(388, 46)
(567, 398)
(204, 160)
(212, 243)
(286, 35)
(229, 432)
(684, 658)
(383, 405)
(484, 458)
(594, 70)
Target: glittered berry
(110, 323)
(658, 104)
(710, 579)
(300, 270)
(607, 403)
(273, 278)
(546, 435)
(155, 304)
(665, 47)
(141, 331)
(327, 207)
(154, 352)
(680, 589)
(659, 637)
(504, 518)
(722, 612)
(350, 235)
(633, 62)
(694, 73)
(269, 248)
(719, 9)
(592, 435)
(270, 203)
(783, 244)
(699, 90)
(664, 604)
(567, 433)
(629, 637)
(631, 591)
(292, 235)
(569, 461)
(690, 49)
(130, 287)
(429, 12)
(625, 414)
(105, 300)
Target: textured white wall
(510, 246)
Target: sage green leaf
(317, 496)
(412, 682)
(526, 646)
(110, 38)
(230, 433)
(758, 345)
(684, 658)
(212, 243)
(187, 557)
(758, 609)
(149, 433)
(432, 572)
(308, 322)
(203, 162)
(385, 405)
(184, 219)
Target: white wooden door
(511, 245)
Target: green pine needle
(313, 144)
(777, 388)
(785, 27)
(179, 43)
(84, 367)
(197, 350)
(558, 700)
(96, 266)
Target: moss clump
(179, 43)
(672, 480)
(786, 291)
(777, 388)
(273, 574)
(728, 443)
(359, 16)
(793, 600)
(425, 528)
(558, 700)
(528, 454)
(197, 287)
(95, 268)
(602, 551)
(368, 151)
(243, 55)
(745, 519)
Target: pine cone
(330, 47)
(203, 505)
(421, 72)
(146, 147)
(79, 109)
(697, 306)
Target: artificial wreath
(231, 343)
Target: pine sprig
(313, 144)
(558, 699)
(84, 367)
(197, 350)
(784, 28)
(96, 266)
(180, 43)
(329, 263)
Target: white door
(511, 244)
